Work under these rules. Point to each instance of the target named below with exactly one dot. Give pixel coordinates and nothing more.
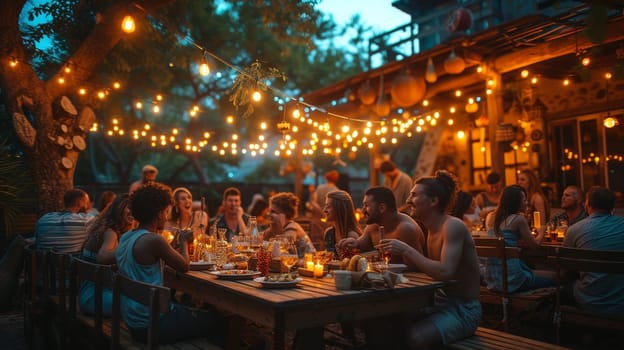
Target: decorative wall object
(366, 93)
(430, 74)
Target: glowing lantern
(366, 93)
(407, 89)
(454, 64)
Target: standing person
(282, 213)
(535, 196)
(511, 224)
(602, 293)
(488, 200)
(322, 190)
(379, 209)
(573, 205)
(148, 176)
(451, 256)
(399, 182)
(102, 239)
(340, 212)
(140, 256)
(183, 217)
(231, 215)
(66, 230)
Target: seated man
(140, 256)
(573, 204)
(380, 209)
(231, 216)
(148, 176)
(399, 182)
(598, 292)
(66, 230)
(451, 257)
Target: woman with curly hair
(282, 213)
(340, 211)
(141, 256)
(102, 239)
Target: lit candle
(309, 265)
(318, 270)
(537, 223)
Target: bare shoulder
(454, 227)
(406, 221)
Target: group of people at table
(427, 239)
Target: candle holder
(319, 270)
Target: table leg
(309, 338)
(236, 326)
(279, 332)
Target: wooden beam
(555, 48)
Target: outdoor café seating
(585, 260)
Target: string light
(128, 25)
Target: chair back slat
(156, 298)
(102, 277)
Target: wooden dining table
(306, 308)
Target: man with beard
(451, 257)
(573, 204)
(379, 209)
(232, 216)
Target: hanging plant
(250, 80)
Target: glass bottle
(254, 234)
(221, 248)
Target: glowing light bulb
(524, 73)
(566, 82)
(128, 25)
(204, 68)
(585, 61)
(256, 96)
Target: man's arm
(454, 233)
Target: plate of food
(278, 281)
(202, 265)
(235, 274)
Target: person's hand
(346, 243)
(240, 211)
(186, 236)
(393, 246)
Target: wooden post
(495, 115)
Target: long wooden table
(311, 305)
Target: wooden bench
(490, 339)
(586, 260)
(494, 247)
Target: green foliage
(159, 57)
(15, 182)
(254, 77)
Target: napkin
(376, 280)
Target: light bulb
(128, 25)
(204, 68)
(256, 96)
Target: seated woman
(509, 222)
(282, 213)
(141, 255)
(102, 238)
(466, 209)
(340, 211)
(183, 218)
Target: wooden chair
(494, 247)
(490, 339)
(102, 277)
(586, 260)
(158, 300)
(57, 277)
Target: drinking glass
(289, 256)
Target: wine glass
(289, 256)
